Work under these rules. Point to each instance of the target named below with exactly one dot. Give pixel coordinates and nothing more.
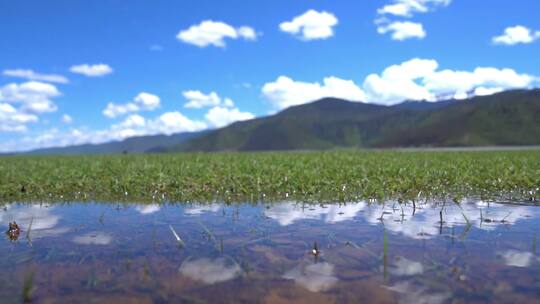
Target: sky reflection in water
(262, 253)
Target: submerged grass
(28, 287)
(309, 176)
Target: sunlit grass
(309, 176)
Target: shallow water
(376, 253)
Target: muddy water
(428, 252)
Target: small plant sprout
(315, 251)
(177, 237)
(28, 287)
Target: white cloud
(33, 97)
(403, 30)
(516, 34)
(228, 102)
(132, 121)
(167, 123)
(483, 79)
(214, 33)
(311, 25)
(94, 70)
(398, 82)
(247, 33)
(197, 99)
(419, 79)
(13, 121)
(142, 102)
(31, 75)
(285, 92)
(407, 8)
(221, 116)
(483, 91)
(415, 79)
(134, 125)
(174, 122)
(67, 119)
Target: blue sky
(93, 71)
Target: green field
(308, 176)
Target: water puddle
(271, 253)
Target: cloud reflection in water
(210, 271)
(147, 209)
(93, 238)
(422, 222)
(517, 258)
(314, 277)
(43, 220)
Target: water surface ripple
(429, 252)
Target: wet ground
(287, 252)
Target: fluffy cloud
(214, 33)
(21, 104)
(33, 96)
(13, 121)
(220, 116)
(420, 79)
(398, 82)
(31, 75)
(482, 77)
(415, 79)
(198, 100)
(67, 119)
(133, 125)
(311, 25)
(403, 30)
(407, 8)
(142, 102)
(174, 122)
(516, 34)
(132, 121)
(94, 70)
(167, 123)
(171, 122)
(222, 110)
(285, 92)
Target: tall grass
(318, 176)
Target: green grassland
(342, 175)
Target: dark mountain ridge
(507, 118)
(138, 144)
(510, 118)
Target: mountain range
(138, 144)
(510, 118)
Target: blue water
(263, 253)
